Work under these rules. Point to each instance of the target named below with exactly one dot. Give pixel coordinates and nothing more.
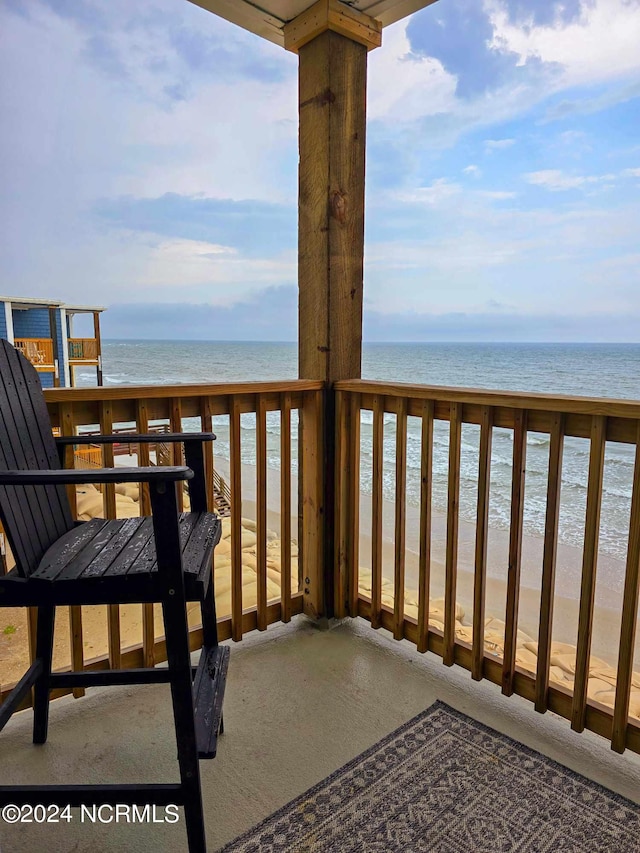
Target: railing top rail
(134, 392)
(609, 407)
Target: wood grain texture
(311, 504)
(424, 556)
(482, 533)
(332, 15)
(400, 523)
(629, 616)
(346, 503)
(376, 512)
(589, 562)
(235, 464)
(453, 512)
(332, 107)
(206, 422)
(186, 390)
(353, 539)
(285, 506)
(341, 505)
(261, 512)
(545, 629)
(109, 498)
(177, 450)
(148, 619)
(515, 550)
(510, 399)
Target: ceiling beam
(335, 16)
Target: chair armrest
(156, 474)
(193, 452)
(135, 438)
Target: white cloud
(497, 195)
(498, 144)
(473, 170)
(193, 268)
(402, 86)
(601, 44)
(558, 181)
(435, 194)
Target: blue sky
(149, 155)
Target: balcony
(300, 707)
(300, 702)
(83, 351)
(431, 582)
(39, 351)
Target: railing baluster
(400, 520)
(341, 505)
(589, 562)
(629, 616)
(354, 503)
(206, 421)
(311, 502)
(109, 496)
(482, 531)
(285, 506)
(549, 562)
(515, 549)
(236, 520)
(424, 557)
(376, 511)
(261, 511)
(148, 622)
(453, 510)
(67, 427)
(178, 455)
(346, 504)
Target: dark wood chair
(166, 558)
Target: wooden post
(96, 335)
(53, 330)
(332, 42)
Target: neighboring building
(42, 329)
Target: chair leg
(178, 656)
(44, 651)
(209, 621)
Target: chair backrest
(34, 517)
(33, 353)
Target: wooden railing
(383, 600)
(83, 349)
(83, 409)
(361, 587)
(39, 351)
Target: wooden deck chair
(35, 355)
(166, 558)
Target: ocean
(609, 370)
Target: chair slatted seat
(164, 558)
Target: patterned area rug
(443, 783)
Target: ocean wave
(538, 440)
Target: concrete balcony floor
(300, 702)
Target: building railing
(83, 349)
(39, 351)
(438, 629)
(193, 408)
(376, 586)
